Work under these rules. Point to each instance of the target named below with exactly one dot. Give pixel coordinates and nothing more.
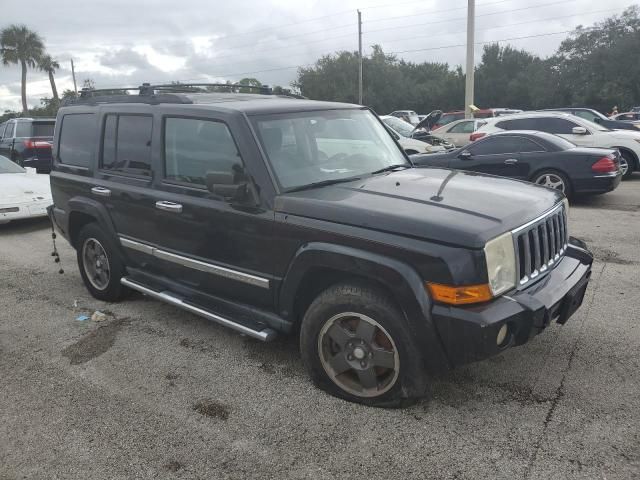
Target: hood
(23, 187)
(440, 205)
(419, 145)
(429, 121)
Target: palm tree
(49, 65)
(19, 45)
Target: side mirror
(597, 119)
(224, 185)
(465, 155)
(579, 131)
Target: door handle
(510, 161)
(101, 191)
(169, 206)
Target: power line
(507, 25)
(437, 10)
(465, 18)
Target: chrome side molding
(195, 264)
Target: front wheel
(100, 266)
(355, 345)
(553, 179)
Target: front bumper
(469, 333)
(22, 210)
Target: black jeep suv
(271, 215)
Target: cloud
(126, 43)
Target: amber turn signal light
(459, 295)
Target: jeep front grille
(540, 244)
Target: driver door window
(194, 147)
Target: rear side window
(77, 139)
(527, 145)
(496, 145)
(126, 145)
(518, 124)
(195, 147)
(541, 124)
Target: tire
(631, 163)
(93, 243)
(350, 326)
(548, 178)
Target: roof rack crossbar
(90, 92)
(148, 89)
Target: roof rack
(148, 89)
(164, 93)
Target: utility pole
(468, 91)
(359, 57)
(73, 74)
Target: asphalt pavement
(150, 391)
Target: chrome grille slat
(541, 243)
(545, 245)
(537, 261)
(527, 256)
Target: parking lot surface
(150, 391)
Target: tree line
(595, 66)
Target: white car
(400, 129)
(408, 116)
(575, 129)
(23, 192)
(458, 132)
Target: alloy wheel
(96, 263)
(358, 354)
(624, 165)
(551, 180)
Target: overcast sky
(124, 43)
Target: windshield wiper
(391, 168)
(323, 183)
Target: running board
(266, 334)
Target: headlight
(501, 263)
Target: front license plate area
(572, 302)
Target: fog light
(502, 334)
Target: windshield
(403, 128)
(324, 146)
(7, 166)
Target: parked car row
(27, 142)
(538, 157)
(576, 129)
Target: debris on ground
(98, 316)
(82, 318)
